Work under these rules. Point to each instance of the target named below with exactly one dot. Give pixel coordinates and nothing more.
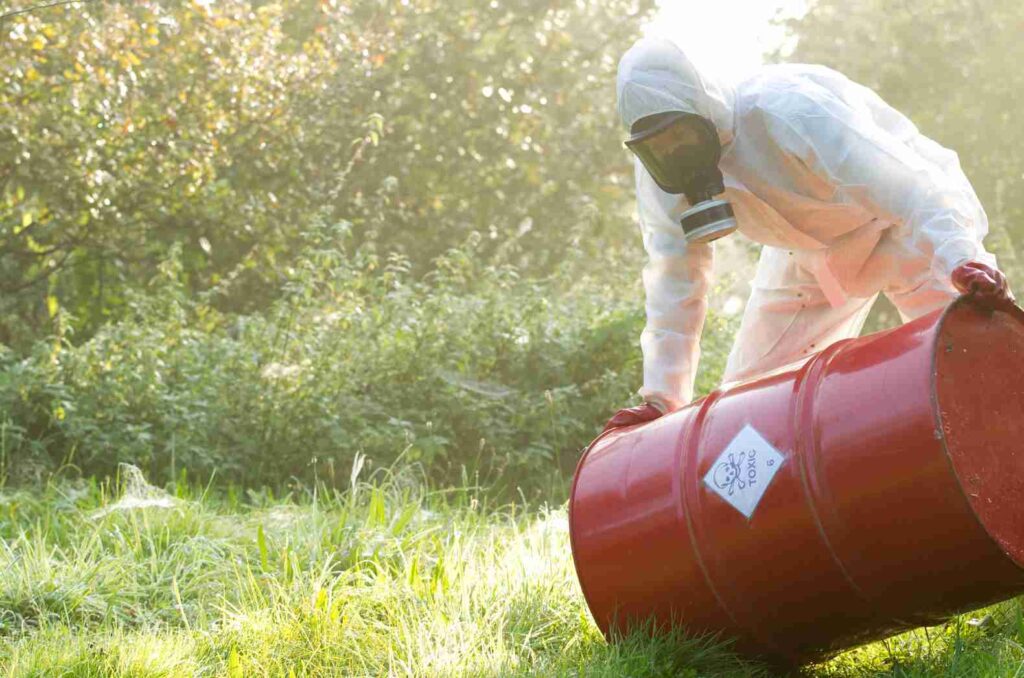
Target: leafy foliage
(381, 229)
(223, 128)
(470, 369)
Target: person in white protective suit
(848, 198)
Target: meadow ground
(384, 579)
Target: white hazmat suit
(848, 198)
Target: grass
(384, 579)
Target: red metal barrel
(877, 487)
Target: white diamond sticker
(743, 471)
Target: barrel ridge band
(807, 449)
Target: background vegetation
(262, 238)
(227, 128)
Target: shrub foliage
(223, 128)
(471, 369)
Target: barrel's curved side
(893, 506)
(808, 448)
(572, 514)
(772, 566)
(630, 547)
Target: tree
(228, 128)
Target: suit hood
(656, 76)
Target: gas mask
(681, 152)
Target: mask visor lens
(673, 150)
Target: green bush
(471, 369)
(462, 301)
(129, 128)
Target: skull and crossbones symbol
(729, 473)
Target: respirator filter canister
(708, 221)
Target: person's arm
(676, 280)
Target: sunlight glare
(726, 37)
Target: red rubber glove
(984, 284)
(632, 416)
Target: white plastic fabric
(848, 197)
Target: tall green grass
(385, 578)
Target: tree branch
(26, 10)
(39, 277)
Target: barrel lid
(979, 399)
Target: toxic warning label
(743, 471)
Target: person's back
(781, 80)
